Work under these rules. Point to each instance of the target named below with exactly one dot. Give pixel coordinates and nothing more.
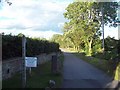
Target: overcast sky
(39, 18)
(36, 18)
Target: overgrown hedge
(112, 49)
(12, 46)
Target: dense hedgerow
(112, 49)
(12, 46)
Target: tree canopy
(82, 31)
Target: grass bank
(39, 77)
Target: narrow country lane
(79, 74)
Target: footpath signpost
(54, 64)
(26, 62)
(23, 61)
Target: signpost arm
(23, 62)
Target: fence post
(54, 64)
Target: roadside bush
(112, 49)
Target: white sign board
(30, 61)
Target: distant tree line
(112, 46)
(12, 46)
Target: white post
(1, 61)
(119, 19)
(23, 62)
(102, 27)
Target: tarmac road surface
(79, 74)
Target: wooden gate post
(54, 64)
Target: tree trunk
(74, 47)
(78, 48)
(90, 48)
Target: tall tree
(84, 17)
(78, 13)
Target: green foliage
(82, 32)
(117, 73)
(96, 46)
(83, 26)
(111, 49)
(110, 44)
(109, 11)
(12, 46)
(59, 39)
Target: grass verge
(38, 78)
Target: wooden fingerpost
(23, 62)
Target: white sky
(111, 31)
(37, 18)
